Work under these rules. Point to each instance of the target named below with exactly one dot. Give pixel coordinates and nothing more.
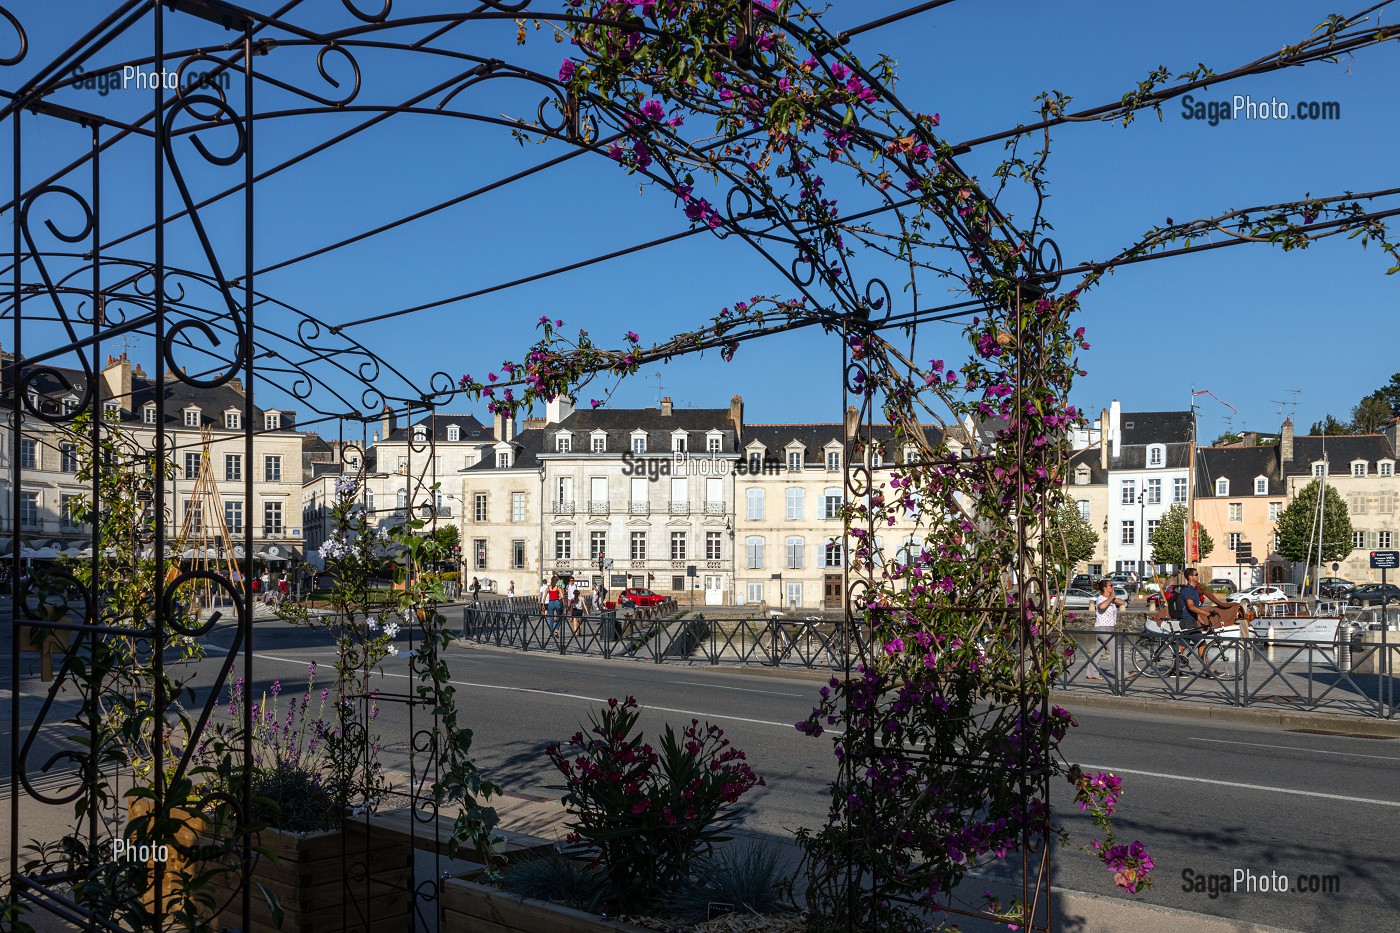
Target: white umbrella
(44, 553)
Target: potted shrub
(641, 820)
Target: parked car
(1334, 587)
(1373, 594)
(1074, 599)
(1256, 595)
(638, 597)
(1124, 579)
(1082, 581)
(1223, 585)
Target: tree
(1297, 527)
(1227, 438)
(1329, 426)
(1071, 540)
(1370, 414)
(1167, 539)
(447, 536)
(1390, 394)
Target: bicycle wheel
(1152, 656)
(1228, 658)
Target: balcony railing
(443, 511)
(564, 507)
(639, 508)
(598, 507)
(714, 508)
(273, 531)
(680, 508)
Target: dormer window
(599, 442)
(755, 462)
(794, 461)
(148, 414)
(678, 442)
(639, 442)
(233, 420)
(1081, 476)
(420, 433)
(563, 443)
(114, 409)
(1320, 468)
(272, 421)
(1156, 455)
(1261, 486)
(1222, 487)
(1385, 468)
(833, 461)
(1358, 468)
(910, 453)
(454, 432)
(191, 417)
(70, 404)
(503, 459)
(714, 442)
(877, 459)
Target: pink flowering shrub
(1098, 794)
(645, 813)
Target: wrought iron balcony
(714, 508)
(564, 507)
(680, 508)
(639, 508)
(598, 507)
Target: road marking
(570, 696)
(1296, 748)
(691, 683)
(1236, 784)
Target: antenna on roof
(1293, 405)
(659, 390)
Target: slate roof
(815, 438)
(178, 396)
(1239, 465)
(437, 425)
(1341, 449)
(1090, 458)
(1139, 429)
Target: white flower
(391, 629)
(393, 651)
(372, 623)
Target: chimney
(558, 408)
(666, 406)
(736, 417)
(1249, 439)
(376, 438)
(116, 381)
(1285, 442)
(852, 422)
(1103, 440)
(387, 422)
(499, 425)
(532, 424)
(510, 427)
(237, 385)
(1115, 425)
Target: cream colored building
(1240, 493)
(49, 464)
(1087, 473)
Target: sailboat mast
(1190, 483)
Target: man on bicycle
(1196, 619)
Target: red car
(637, 597)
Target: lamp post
(1142, 536)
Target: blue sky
(1250, 323)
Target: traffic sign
(1385, 560)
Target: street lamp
(1142, 535)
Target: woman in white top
(1106, 605)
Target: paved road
(1207, 798)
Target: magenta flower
(566, 71)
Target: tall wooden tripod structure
(203, 542)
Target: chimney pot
(666, 405)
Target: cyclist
(1198, 620)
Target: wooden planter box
(468, 906)
(325, 882)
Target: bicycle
(1173, 653)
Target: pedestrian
(284, 587)
(1106, 606)
(257, 587)
(510, 590)
(476, 590)
(576, 609)
(266, 586)
(544, 599)
(553, 601)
